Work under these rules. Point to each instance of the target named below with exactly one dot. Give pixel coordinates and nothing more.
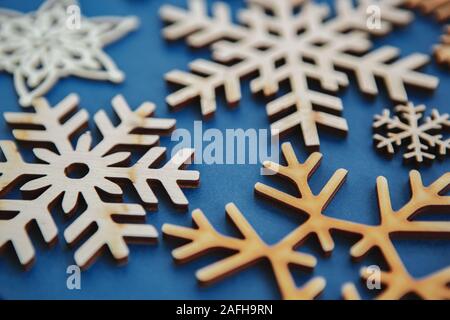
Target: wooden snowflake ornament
(280, 44)
(442, 51)
(440, 8)
(87, 174)
(251, 248)
(40, 47)
(424, 140)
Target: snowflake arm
(440, 8)
(171, 176)
(40, 48)
(397, 279)
(422, 137)
(356, 17)
(395, 75)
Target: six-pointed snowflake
(39, 48)
(422, 137)
(87, 174)
(280, 45)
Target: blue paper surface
(151, 273)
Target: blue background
(145, 57)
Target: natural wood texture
(442, 51)
(89, 174)
(440, 8)
(39, 48)
(422, 140)
(397, 280)
(287, 46)
(249, 250)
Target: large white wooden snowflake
(86, 180)
(424, 139)
(41, 47)
(278, 43)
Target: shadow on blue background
(151, 273)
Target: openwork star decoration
(425, 139)
(41, 47)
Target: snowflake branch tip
(398, 282)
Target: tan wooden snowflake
(251, 248)
(423, 138)
(442, 50)
(440, 8)
(278, 44)
(87, 174)
(39, 48)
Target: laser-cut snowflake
(279, 44)
(250, 248)
(423, 138)
(440, 8)
(89, 174)
(40, 47)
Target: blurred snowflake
(40, 47)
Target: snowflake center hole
(77, 170)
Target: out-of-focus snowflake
(87, 179)
(40, 47)
(423, 137)
(278, 43)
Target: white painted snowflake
(86, 178)
(423, 138)
(41, 47)
(280, 44)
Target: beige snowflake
(250, 248)
(424, 139)
(277, 44)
